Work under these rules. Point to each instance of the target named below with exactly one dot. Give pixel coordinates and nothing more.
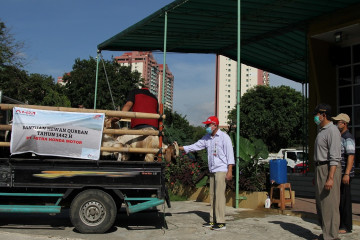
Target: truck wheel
(93, 211)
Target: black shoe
(209, 224)
(219, 226)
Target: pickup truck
(294, 157)
(93, 190)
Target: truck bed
(75, 173)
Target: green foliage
(253, 176)
(173, 197)
(176, 127)
(202, 182)
(272, 114)
(186, 171)
(81, 83)
(43, 91)
(35, 89)
(12, 81)
(251, 151)
(191, 168)
(10, 49)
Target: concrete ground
(184, 221)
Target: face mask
(208, 130)
(317, 120)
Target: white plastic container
(267, 202)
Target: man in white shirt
(220, 160)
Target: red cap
(212, 119)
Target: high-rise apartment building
(169, 86)
(226, 85)
(151, 72)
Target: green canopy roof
(273, 32)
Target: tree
(80, 83)
(34, 89)
(10, 50)
(272, 114)
(176, 127)
(12, 81)
(43, 91)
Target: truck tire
(93, 211)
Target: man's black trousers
(345, 207)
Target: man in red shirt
(141, 100)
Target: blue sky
(56, 32)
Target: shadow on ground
(202, 214)
(296, 229)
(35, 220)
(145, 220)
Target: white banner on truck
(62, 134)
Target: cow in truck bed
(136, 141)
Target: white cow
(141, 141)
(136, 141)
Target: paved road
(184, 221)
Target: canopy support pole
(305, 111)
(164, 67)
(162, 99)
(238, 106)
(97, 75)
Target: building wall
(169, 87)
(151, 72)
(324, 68)
(226, 85)
(145, 64)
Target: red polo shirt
(146, 102)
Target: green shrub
(187, 171)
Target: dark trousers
(345, 207)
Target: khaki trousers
(327, 202)
(217, 197)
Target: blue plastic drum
(278, 172)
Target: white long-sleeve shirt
(219, 149)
